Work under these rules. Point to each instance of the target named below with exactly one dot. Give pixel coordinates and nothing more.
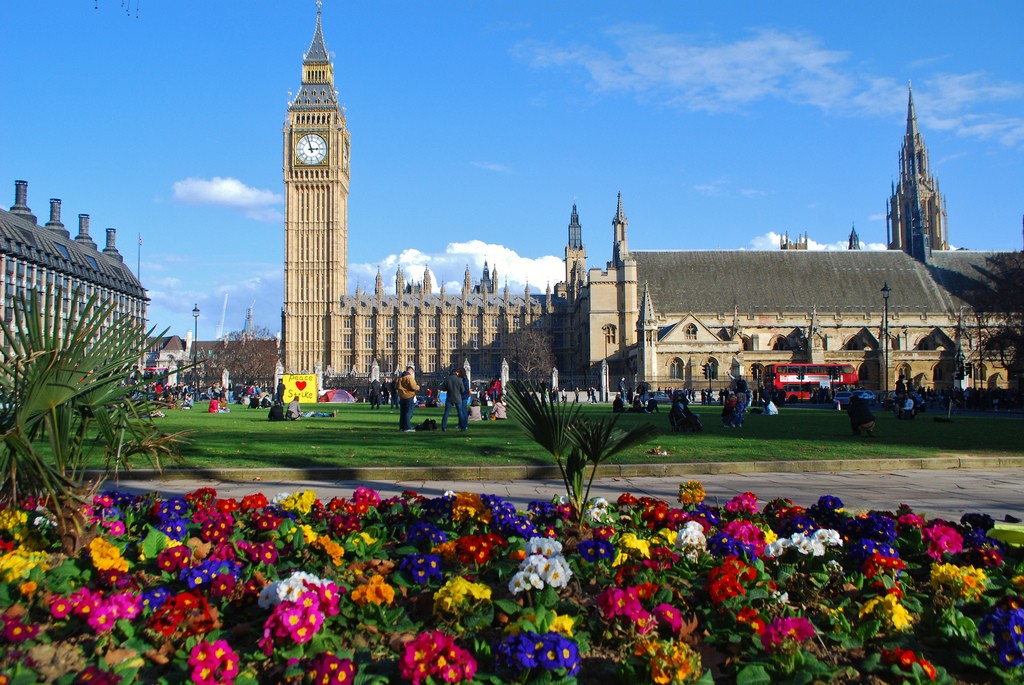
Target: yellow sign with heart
(301, 384)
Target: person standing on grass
(454, 398)
(406, 388)
(374, 394)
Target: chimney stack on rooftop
(111, 248)
(55, 223)
(20, 206)
(83, 232)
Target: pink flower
(745, 502)
(670, 616)
(790, 629)
(435, 654)
(213, 663)
(747, 532)
(942, 539)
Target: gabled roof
(23, 238)
(797, 280)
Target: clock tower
(316, 176)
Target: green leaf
(154, 543)
(753, 674)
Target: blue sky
(476, 125)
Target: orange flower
(377, 591)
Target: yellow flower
(301, 502)
(888, 609)
(629, 542)
(769, 534)
(1018, 582)
(469, 506)
(455, 595)
(669, 536)
(377, 591)
(330, 547)
(670, 663)
(17, 564)
(965, 582)
(106, 556)
(560, 623)
(692, 492)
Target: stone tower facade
(316, 181)
(916, 206)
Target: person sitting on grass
(617, 405)
(861, 418)
(294, 412)
(276, 412)
(499, 412)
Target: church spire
(854, 243)
(378, 286)
(620, 248)
(911, 114)
(575, 230)
(647, 318)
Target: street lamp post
(195, 349)
(886, 290)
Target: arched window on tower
(675, 369)
(609, 333)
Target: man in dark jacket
(454, 387)
(861, 418)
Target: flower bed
(465, 588)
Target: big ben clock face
(311, 149)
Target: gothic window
(780, 343)
(453, 340)
(675, 369)
(690, 332)
(609, 333)
(712, 368)
(748, 343)
(432, 339)
(925, 344)
(756, 373)
(368, 341)
(410, 340)
(853, 344)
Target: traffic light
(707, 370)
(969, 370)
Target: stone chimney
(83, 232)
(54, 223)
(20, 206)
(111, 249)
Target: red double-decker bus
(799, 381)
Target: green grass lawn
(361, 437)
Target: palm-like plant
(70, 392)
(575, 442)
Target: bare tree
(533, 353)
(999, 308)
(248, 357)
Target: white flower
(558, 572)
(691, 539)
(544, 546)
(828, 537)
(280, 497)
(288, 590)
(781, 597)
(518, 583)
(777, 548)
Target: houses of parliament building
(659, 317)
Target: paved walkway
(934, 493)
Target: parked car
(659, 397)
(843, 397)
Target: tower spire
(911, 114)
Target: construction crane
(223, 313)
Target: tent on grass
(337, 396)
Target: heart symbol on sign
(301, 385)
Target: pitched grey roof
(796, 280)
(24, 238)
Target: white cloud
(449, 268)
(704, 75)
(230, 192)
(770, 241)
(492, 166)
